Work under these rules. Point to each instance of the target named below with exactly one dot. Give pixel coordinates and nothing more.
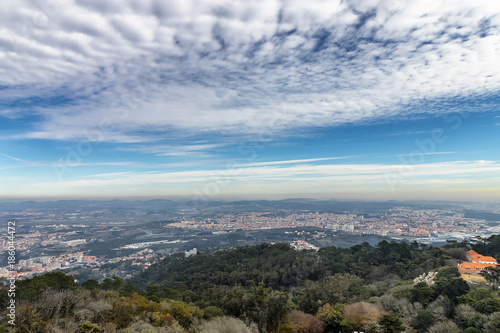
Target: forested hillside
(282, 268)
(272, 288)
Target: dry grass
(475, 278)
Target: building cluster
(476, 263)
(303, 245)
(28, 268)
(144, 259)
(399, 222)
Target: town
(101, 242)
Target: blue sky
(227, 99)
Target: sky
(261, 99)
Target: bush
(225, 325)
(301, 322)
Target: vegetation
(271, 288)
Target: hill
(270, 288)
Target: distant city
(99, 239)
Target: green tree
(182, 313)
(339, 288)
(90, 284)
(452, 288)
(447, 273)
(234, 301)
(31, 289)
(279, 304)
(423, 321)
(391, 323)
(331, 316)
(475, 295)
(112, 284)
(258, 306)
(211, 312)
(422, 293)
(488, 305)
(128, 289)
(492, 275)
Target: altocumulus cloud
(150, 67)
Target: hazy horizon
(191, 199)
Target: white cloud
(432, 153)
(13, 158)
(197, 150)
(239, 66)
(291, 161)
(300, 172)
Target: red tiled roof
(476, 257)
(470, 266)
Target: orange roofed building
(477, 263)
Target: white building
(192, 252)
